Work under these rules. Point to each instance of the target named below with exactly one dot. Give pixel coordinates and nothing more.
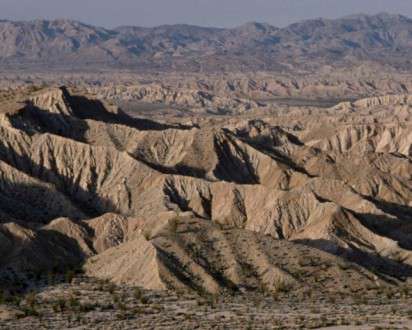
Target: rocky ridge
(231, 204)
(382, 39)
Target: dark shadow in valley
(392, 228)
(184, 204)
(385, 268)
(232, 168)
(37, 204)
(32, 120)
(86, 200)
(384, 225)
(381, 266)
(50, 258)
(178, 169)
(397, 228)
(85, 108)
(267, 144)
(278, 157)
(403, 211)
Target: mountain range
(307, 45)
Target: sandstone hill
(306, 199)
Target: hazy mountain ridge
(380, 38)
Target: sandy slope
(231, 204)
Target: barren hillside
(382, 39)
(98, 184)
(289, 200)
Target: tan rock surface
(204, 206)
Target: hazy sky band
(224, 13)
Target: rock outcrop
(205, 206)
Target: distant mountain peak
(382, 15)
(382, 38)
(256, 27)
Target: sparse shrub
(282, 285)
(77, 318)
(211, 300)
(74, 303)
(59, 305)
(14, 299)
(122, 315)
(69, 276)
(173, 225)
(111, 288)
(137, 293)
(144, 300)
(405, 291)
(87, 307)
(30, 299)
(343, 265)
(30, 311)
(389, 294)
